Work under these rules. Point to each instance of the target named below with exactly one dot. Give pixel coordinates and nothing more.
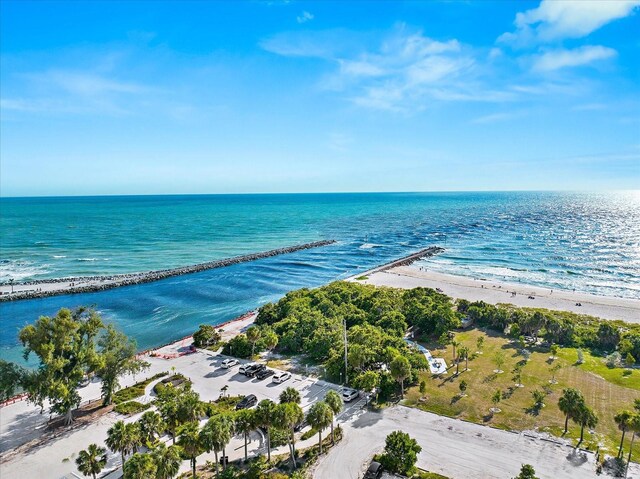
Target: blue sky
(214, 97)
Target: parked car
(227, 363)
(253, 370)
(247, 402)
(244, 367)
(264, 373)
(281, 376)
(374, 471)
(349, 394)
(301, 425)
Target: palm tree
(635, 427)
(245, 423)
(319, 417)
(334, 401)
(287, 416)
(167, 461)
(586, 418)
(400, 370)
(253, 335)
(140, 466)
(189, 441)
(151, 426)
(623, 419)
(92, 460)
(290, 395)
(189, 407)
(454, 344)
(117, 439)
(463, 353)
(215, 436)
(570, 402)
(264, 418)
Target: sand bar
(495, 292)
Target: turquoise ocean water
(586, 241)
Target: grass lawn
(605, 390)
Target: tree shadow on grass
(491, 377)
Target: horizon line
(136, 195)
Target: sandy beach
(496, 292)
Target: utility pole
(344, 331)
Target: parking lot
(56, 457)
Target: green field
(605, 390)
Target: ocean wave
(369, 245)
(58, 256)
(87, 259)
(19, 270)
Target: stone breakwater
(407, 260)
(88, 284)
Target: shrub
(136, 390)
(205, 336)
(131, 407)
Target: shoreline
(495, 292)
(89, 284)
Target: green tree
(463, 387)
(65, 346)
(624, 420)
(167, 404)
(245, 424)
(253, 335)
(140, 466)
(290, 395)
(265, 412)
(215, 436)
(367, 381)
(269, 338)
(189, 441)
(117, 358)
(151, 426)
(495, 399)
(569, 403)
(498, 360)
(554, 351)
(480, 344)
(206, 335)
(319, 417)
(526, 472)
(463, 353)
(11, 379)
(287, 416)
(400, 370)
(400, 453)
(167, 461)
(123, 438)
(334, 401)
(92, 460)
(585, 417)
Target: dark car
(264, 373)
(300, 426)
(247, 402)
(252, 371)
(374, 471)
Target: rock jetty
(87, 284)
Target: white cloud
(562, 58)
(304, 17)
(555, 20)
(404, 71)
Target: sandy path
(495, 292)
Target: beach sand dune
(495, 292)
